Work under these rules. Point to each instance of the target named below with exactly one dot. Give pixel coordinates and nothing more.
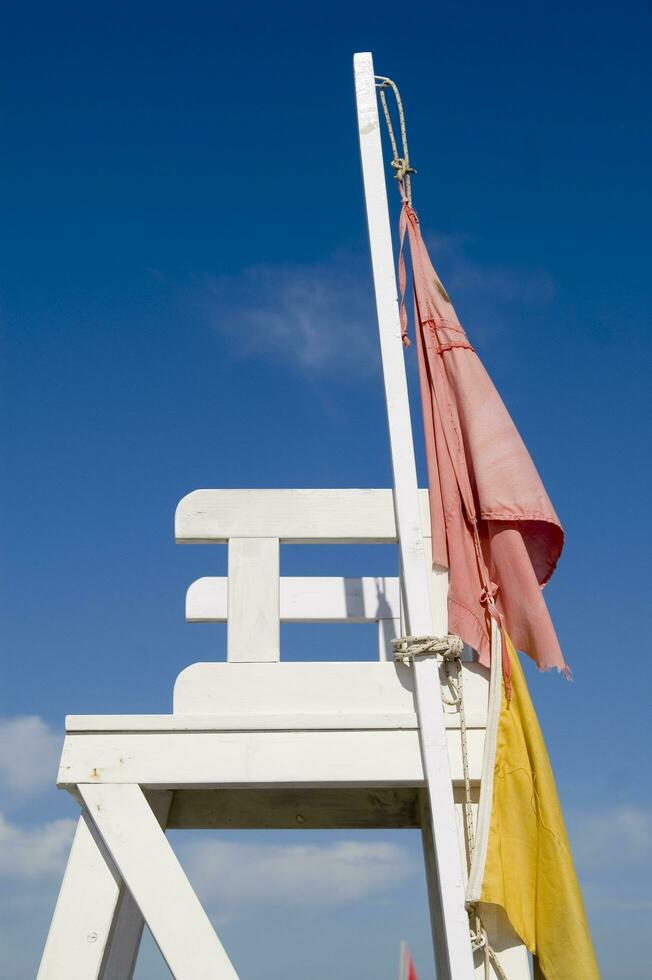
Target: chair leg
(96, 927)
(83, 917)
(128, 923)
(153, 875)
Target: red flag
(412, 973)
(493, 525)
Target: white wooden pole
(450, 922)
(402, 972)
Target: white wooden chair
(251, 742)
(255, 742)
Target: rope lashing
(449, 648)
(400, 164)
(408, 648)
(480, 941)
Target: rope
(400, 164)
(407, 649)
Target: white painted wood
(433, 886)
(314, 689)
(128, 923)
(289, 721)
(312, 600)
(305, 600)
(382, 757)
(452, 933)
(305, 687)
(253, 632)
(96, 928)
(147, 863)
(83, 916)
(512, 954)
(125, 938)
(293, 516)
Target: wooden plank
(305, 687)
(147, 863)
(81, 925)
(253, 601)
(306, 600)
(287, 809)
(353, 688)
(452, 932)
(96, 927)
(293, 516)
(128, 923)
(512, 954)
(318, 758)
(290, 721)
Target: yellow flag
(529, 869)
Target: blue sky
(185, 301)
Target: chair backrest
(254, 600)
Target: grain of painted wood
(302, 809)
(83, 916)
(305, 600)
(253, 632)
(294, 516)
(452, 938)
(96, 928)
(137, 845)
(309, 687)
(319, 758)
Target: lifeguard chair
(259, 743)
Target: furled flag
(493, 525)
(495, 530)
(406, 970)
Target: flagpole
(401, 961)
(447, 909)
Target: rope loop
(400, 163)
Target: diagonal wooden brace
(97, 927)
(157, 882)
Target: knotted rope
(449, 648)
(400, 164)
(408, 648)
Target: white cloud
(321, 316)
(304, 876)
(313, 316)
(35, 852)
(29, 754)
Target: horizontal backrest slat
(310, 600)
(293, 516)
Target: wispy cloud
(29, 754)
(35, 852)
(320, 317)
(316, 316)
(308, 876)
